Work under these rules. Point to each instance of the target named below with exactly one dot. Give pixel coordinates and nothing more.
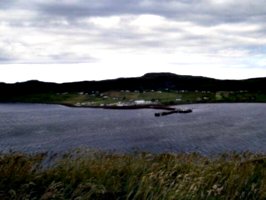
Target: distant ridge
(149, 81)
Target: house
(139, 102)
(142, 102)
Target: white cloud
(126, 38)
(105, 22)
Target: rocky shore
(146, 106)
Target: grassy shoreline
(131, 99)
(96, 175)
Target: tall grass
(87, 175)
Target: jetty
(159, 114)
(124, 107)
(168, 110)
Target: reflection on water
(211, 128)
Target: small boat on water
(172, 112)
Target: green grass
(87, 175)
(160, 97)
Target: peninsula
(151, 90)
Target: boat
(172, 112)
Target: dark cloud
(4, 59)
(169, 9)
(6, 4)
(203, 12)
(200, 11)
(71, 58)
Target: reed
(96, 175)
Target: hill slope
(27, 91)
(153, 81)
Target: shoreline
(152, 106)
(129, 107)
(133, 107)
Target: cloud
(6, 4)
(220, 32)
(198, 11)
(5, 58)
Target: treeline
(151, 81)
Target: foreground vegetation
(87, 175)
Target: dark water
(211, 128)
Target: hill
(27, 91)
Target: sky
(76, 40)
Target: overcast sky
(74, 40)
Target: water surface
(211, 128)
